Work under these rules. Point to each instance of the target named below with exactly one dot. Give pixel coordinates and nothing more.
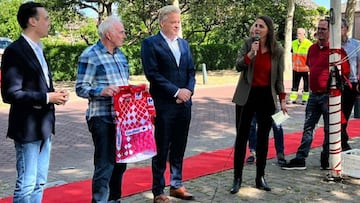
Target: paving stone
(212, 128)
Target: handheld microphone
(256, 39)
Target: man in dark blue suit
(27, 86)
(169, 68)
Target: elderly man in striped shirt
(102, 68)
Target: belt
(319, 92)
(352, 83)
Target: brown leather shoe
(181, 193)
(162, 199)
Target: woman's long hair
(270, 38)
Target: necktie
(44, 66)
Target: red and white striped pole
(335, 92)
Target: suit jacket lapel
(164, 44)
(183, 50)
(31, 57)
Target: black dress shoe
(345, 147)
(261, 184)
(236, 186)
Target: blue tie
(43, 64)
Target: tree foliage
(69, 8)
(203, 21)
(140, 17)
(8, 23)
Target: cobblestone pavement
(212, 128)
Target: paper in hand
(280, 117)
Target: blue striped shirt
(98, 69)
(352, 50)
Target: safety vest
(299, 54)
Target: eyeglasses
(322, 28)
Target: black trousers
(172, 124)
(107, 177)
(260, 102)
(348, 98)
(296, 81)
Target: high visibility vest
(299, 54)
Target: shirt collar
(167, 39)
(327, 45)
(32, 44)
(104, 49)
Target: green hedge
(63, 58)
(215, 56)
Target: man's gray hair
(166, 10)
(107, 25)
(303, 29)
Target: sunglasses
(322, 28)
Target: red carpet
(138, 180)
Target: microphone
(256, 38)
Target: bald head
(300, 34)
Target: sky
(325, 3)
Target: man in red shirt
(318, 62)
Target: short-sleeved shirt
(318, 62)
(353, 52)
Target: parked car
(4, 42)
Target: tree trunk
(349, 15)
(104, 10)
(288, 39)
(176, 3)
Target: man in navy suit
(169, 68)
(27, 86)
